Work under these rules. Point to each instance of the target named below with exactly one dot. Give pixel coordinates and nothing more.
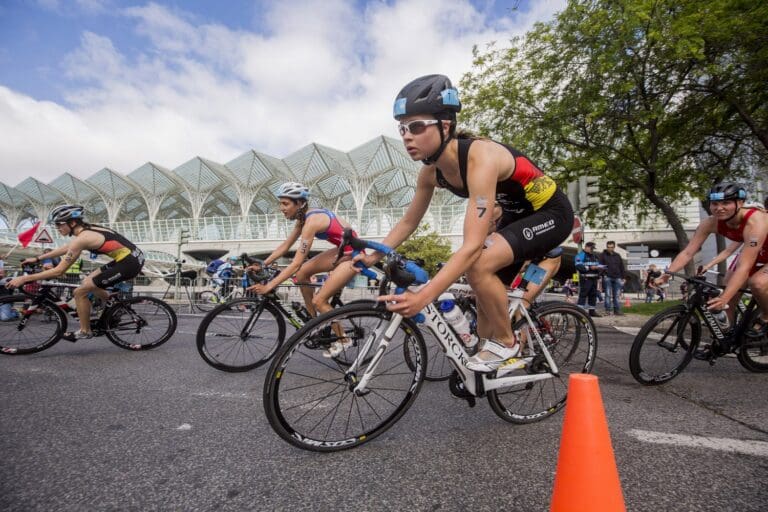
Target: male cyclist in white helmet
(127, 261)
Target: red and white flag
(26, 237)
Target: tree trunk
(676, 224)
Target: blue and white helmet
(66, 212)
(293, 190)
(727, 191)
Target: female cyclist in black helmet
(535, 216)
(127, 261)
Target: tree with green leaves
(630, 91)
(427, 245)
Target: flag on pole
(25, 238)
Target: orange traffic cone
(586, 478)
(627, 302)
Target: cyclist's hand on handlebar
(407, 304)
(30, 261)
(367, 260)
(663, 279)
(261, 289)
(16, 282)
(718, 303)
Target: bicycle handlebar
(401, 271)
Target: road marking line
(757, 448)
(632, 331)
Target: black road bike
(245, 333)
(39, 320)
(670, 339)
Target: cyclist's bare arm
(754, 233)
(706, 228)
(425, 187)
(307, 235)
(722, 256)
(283, 247)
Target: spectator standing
(613, 278)
(588, 266)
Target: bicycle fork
(384, 336)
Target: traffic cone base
(586, 478)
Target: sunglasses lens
(417, 127)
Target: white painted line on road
(632, 331)
(225, 394)
(184, 426)
(757, 448)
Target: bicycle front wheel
(570, 337)
(240, 335)
(27, 329)
(753, 353)
(139, 323)
(664, 346)
(309, 400)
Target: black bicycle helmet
(727, 191)
(66, 212)
(433, 95)
(430, 94)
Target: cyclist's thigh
(116, 271)
(338, 277)
(322, 262)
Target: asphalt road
(89, 426)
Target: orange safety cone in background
(627, 302)
(586, 478)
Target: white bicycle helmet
(66, 212)
(293, 190)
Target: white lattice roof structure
(376, 175)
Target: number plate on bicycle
(534, 274)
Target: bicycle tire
(207, 300)
(651, 347)
(239, 336)
(139, 323)
(308, 399)
(753, 353)
(571, 339)
(31, 331)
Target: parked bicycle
(40, 320)
(320, 405)
(669, 340)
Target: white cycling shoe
(500, 352)
(336, 348)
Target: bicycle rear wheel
(571, 339)
(309, 400)
(207, 300)
(664, 346)
(139, 323)
(240, 335)
(29, 328)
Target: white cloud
(328, 75)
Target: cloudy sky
(87, 84)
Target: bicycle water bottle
(455, 316)
(722, 319)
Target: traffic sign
(578, 230)
(44, 237)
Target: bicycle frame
(476, 384)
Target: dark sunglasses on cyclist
(415, 127)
